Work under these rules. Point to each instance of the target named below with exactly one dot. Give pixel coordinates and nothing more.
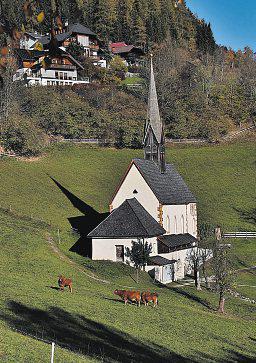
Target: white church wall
(135, 181)
(105, 249)
(180, 219)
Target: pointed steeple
(153, 116)
(154, 134)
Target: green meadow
(90, 325)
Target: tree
(117, 67)
(139, 254)
(222, 264)
(206, 235)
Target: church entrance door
(120, 253)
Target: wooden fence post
(52, 356)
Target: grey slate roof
(80, 29)
(130, 219)
(177, 240)
(160, 261)
(168, 187)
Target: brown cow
(63, 282)
(147, 297)
(127, 295)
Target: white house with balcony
(36, 68)
(153, 203)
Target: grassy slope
(90, 315)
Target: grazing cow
(127, 295)
(147, 297)
(63, 282)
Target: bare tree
(224, 273)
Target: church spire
(154, 134)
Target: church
(152, 202)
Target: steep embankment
(90, 321)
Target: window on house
(65, 76)
(61, 75)
(135, 191)
(56, 74)
(48, 83)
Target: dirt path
(63, 257)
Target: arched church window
(168, 226)
(175, 225)
(194, 226)
(182, 224)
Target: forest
(205, 90)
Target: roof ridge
(127, 200)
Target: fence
(239, 235)
(82, 141)
(187, 141)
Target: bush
(23, 137)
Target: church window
(182, 225)
(168, 227)
(175, 225)
(194, 226)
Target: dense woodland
(205, 90)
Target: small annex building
(151, 202)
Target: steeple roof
(153, 116)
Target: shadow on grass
(82, 224)
(248, 216)
(191, 296)
(85, 336)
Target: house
(36, 68)
(78, 34)
(131, 55)
(152, 202)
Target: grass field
(185, 327)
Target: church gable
(133, 185)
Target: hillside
(90, 321)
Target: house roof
(130, 219)
(125, 49)
(72, 29)
(177, 240)
(80, 29)
(168, 187)
(25, 54)
(118, 44)
(160, 261)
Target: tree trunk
(197, 276)
(221, 303)
(137, 275)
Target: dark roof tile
(130, 219)
(160, 261)
(168, 187)
(177, 240)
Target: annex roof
(130, 219)
(177, 240)
(160, 261)
(168, 187)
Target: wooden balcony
(62, 66)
